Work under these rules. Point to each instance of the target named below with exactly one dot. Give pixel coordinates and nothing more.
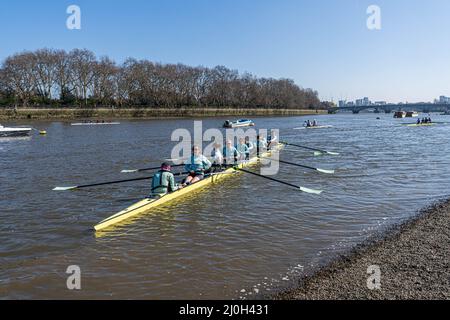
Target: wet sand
(414, 260)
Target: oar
(303, 189)
(317, 152)
(146, 169)
(106, 183)
(302, 166)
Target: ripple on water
(243, 234)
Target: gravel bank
(414, 260)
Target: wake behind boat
(14, 132)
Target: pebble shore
(413, 257)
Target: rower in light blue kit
(230, 153)
(163, 181)
(243, 150)
(272, 139)
(196, 165)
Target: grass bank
(150, 113)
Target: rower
(196, 165)
(243, 150)
(418, 121)
(260, 144)
(230, 153)
(250, 146)
(163, 181)
(314, 124)
(217, 156)
(308, 123)
(271, 139)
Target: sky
(320, 44)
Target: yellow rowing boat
(145, 205)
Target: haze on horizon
(325, 46)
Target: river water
(242, 238)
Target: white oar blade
(308, 190)
(129, 171)
(320, 153)
(325, 171)
(64, 188)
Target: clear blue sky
(324, 45)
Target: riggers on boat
(145, 205)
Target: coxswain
(163, 181)
(196, 166)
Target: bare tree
(55, 76)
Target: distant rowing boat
(419, 124)
(94, 123)
(313, 127)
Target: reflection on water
(238, 238)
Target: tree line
(49, 77)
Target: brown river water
(242, 238)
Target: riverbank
(150, 113)
(413, 257)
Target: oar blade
(308, 190)
(64, 188)
(325, 171)
(129, 171)
(318, 153)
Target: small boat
(238, 123)
(318, 127)
(313, 127)
(14, 132)
(420, 124)
(94, 123)
(400, 114)
(412, 114)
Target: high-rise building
(342, 103)
(444, 99)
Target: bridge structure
(388, 108)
